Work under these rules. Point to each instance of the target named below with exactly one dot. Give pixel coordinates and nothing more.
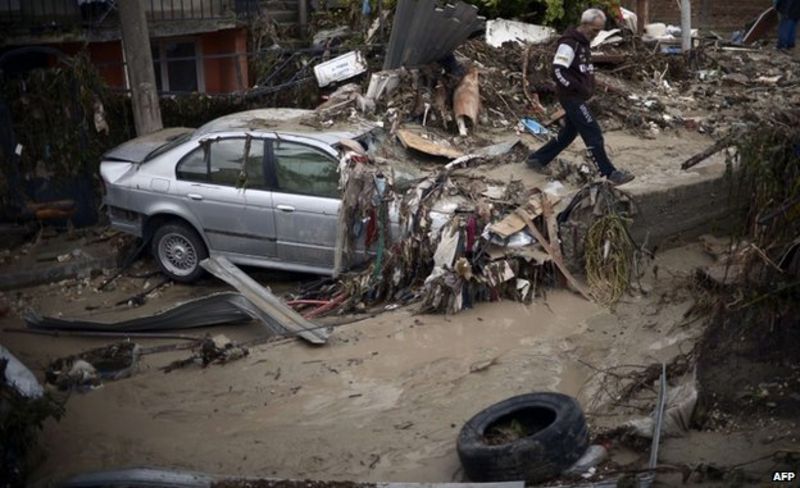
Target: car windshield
(174, 142)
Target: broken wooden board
(552, 226)
(765, 24)
(602, 58)
(272, 309)
(548, 247)
(512, 223)
(557, 115)
(440, 148)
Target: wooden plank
(552, 226)
(557, 115)
(705, 154)
(764, 25)
(608, 58)
(415, 141)
(553, 253)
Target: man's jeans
(787, 33)
(578, 121)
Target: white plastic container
(340, 68)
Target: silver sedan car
(257, 187)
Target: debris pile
(24, 407)
(87, 370)
(211, 350)
(449, 240)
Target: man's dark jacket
(576, 79)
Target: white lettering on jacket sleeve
(560, 77)
(565, 55)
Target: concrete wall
(683, 212)
(723, 15)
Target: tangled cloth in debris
(444, 255)
(364, 206)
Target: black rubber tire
(536, 458)
(188, 233)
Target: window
(302, 169)
(178, 65)
(223, 166)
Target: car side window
(305, 170)
(192, 167)
(219, 162)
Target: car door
(306, 200)
(232, 202)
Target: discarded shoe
(619, 177)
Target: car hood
(136, 150)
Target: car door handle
(195, 196)
(285, 208)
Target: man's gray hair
(591, 15)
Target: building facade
(722, 15)
(197, 45)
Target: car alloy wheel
(177, 254)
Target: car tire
(561, 439)
(178, 250)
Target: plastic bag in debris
(520, 239)
(681, 401)
(448, 246)
(593, 456)
(20, 377)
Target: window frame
(272, 176)
(266, 166)
(163, 62)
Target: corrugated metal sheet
(424, 32)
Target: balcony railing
(53, 15)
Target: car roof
(289, 121)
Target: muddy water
(383, 401)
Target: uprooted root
(610, 253)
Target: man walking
(789, 11)
(574, 76)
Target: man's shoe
(619, 177)
(536, 165)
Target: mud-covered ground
(382, 401)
